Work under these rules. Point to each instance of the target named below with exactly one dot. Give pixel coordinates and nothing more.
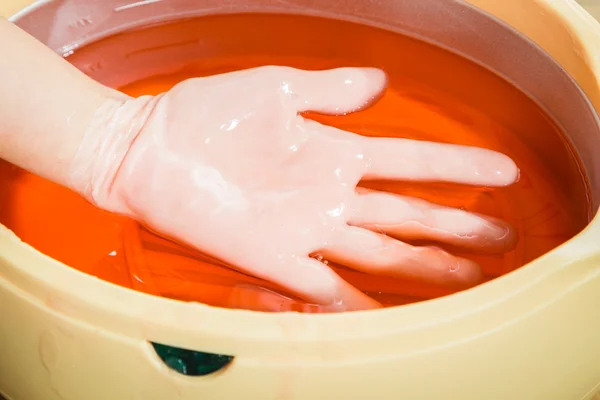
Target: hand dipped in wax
(226, 164)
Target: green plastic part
(189, 362)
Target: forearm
(46, 105)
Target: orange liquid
(433, 95)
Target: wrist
(104, 146)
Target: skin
(227, 165)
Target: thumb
(336, 91)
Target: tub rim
(39, 278)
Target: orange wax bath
(433, 95)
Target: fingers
(315, 282)
(412, 218)
(304, 277)
(404, 159)
(334, 91)
(378, 254)
(346, 90)
(308, 279)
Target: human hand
(226, 165)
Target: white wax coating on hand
(227, 165)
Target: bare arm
(46, 105)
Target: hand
(227, 165)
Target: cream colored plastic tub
(533, 334)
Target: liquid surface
(433, 95)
